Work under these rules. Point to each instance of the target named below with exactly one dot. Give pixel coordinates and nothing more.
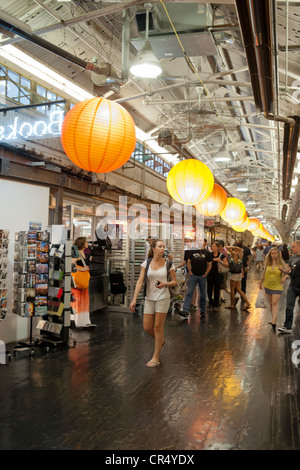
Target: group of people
(208, 269)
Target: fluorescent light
(251, 203)
(256, 210)
(43, 72)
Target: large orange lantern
(242, 221)
(98, 135)
(234, 210)
(190, 182)
(215, 202)
(254, 224)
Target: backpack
(117, 285)
(295, 275)
(174, 291)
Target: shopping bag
(260, 300)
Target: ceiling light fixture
(222, 156)
(146, 64)
(243, 188)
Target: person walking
(285, 253)
(199, 264)
(259, 258)
(235, 269)
(294, 287)
(154, 276)
(273, 280)
(214, 277)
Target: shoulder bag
(81, 279)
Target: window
(47, 95)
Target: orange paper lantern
(98, 135)
(190, 182)
(242, 227)
(215, 202)
(234, 211)
(254, 224)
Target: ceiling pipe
(290, 148)
(8, 23)
(257, 17)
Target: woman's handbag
(235, 268)
(260, 300)
(81, 278)
(222, 269)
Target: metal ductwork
(256, 27)
(257, 20)
(290, 147)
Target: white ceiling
(210, 105)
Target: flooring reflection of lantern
(98, 135)
(234, 211)
(190, 182)
(215, 202)
(254, 223)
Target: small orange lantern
(234, 211)
(98, 135)
(254, 224)
(190, 182)
(215, 202)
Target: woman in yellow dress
(273, 280)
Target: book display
(4, 240)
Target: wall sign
(25, 128)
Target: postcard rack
(4, 240)
(30, 277)
(55, 325)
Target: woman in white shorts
(157, 299)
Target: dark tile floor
(226, 381)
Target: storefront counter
(98, 292)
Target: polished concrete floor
(226, 381)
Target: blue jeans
(291, 297)
(192, 284)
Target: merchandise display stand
(30, 278)
(55, 325)
(4, 240)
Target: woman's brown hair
(153, 245)
(80, 242)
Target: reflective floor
(226, 381)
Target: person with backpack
(154, 277)
(294, 287)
